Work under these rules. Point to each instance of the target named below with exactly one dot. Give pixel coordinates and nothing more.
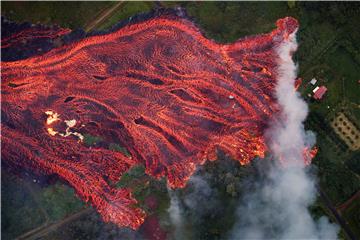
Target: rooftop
(319, 92)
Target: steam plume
(277, 205)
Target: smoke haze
(276, 206)
(193, 207)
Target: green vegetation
(342, 83)
(66, 14)
(19, 211)
(353, 163)
(318, 209)
(222, 182)
(127, 10)
(133, 174)
(335, 178)
(100, 141)
(350, 72)
(229, 21)
(90, 140)
(291, 3)
(352, 215)
(118, 148)
(27, 205)
(339, 72)
(59, 201)
(143, 187)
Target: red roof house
(319, 92)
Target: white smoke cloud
(277, 206)
(175, 214)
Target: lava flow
(159, 88)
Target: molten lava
(159, 88)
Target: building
(319, 92)
(313, 81)
(315, 89)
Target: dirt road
(46, 228)
(105, 14)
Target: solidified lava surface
(159, 88)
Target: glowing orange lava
(158, 88)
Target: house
(319, 92)
(298, 82)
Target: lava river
(158, 88)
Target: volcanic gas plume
(159, 88)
